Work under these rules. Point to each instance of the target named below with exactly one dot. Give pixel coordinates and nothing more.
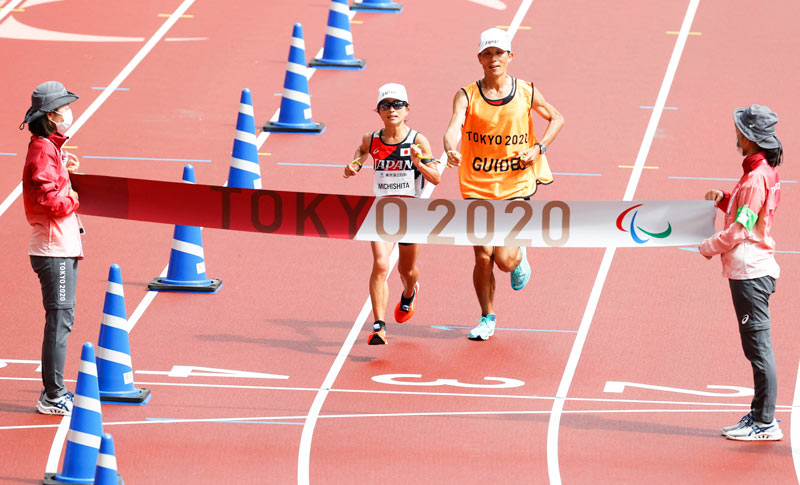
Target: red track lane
(287, 304)
(559, 289)
(666, 315)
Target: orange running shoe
(378, 335)
(403, 312)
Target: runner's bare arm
(428, 170)
(359, 156)
(554, 125)
(460, 105)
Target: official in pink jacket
(747, 250)
(55, 243)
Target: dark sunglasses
(396, 105)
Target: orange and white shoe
(404, 312)
(378, 335)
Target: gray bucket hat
(757, 124)
(47, 97)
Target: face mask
(63, 126)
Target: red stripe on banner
(269, 211)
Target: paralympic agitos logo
(634, 228)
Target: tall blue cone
(85, 427)
(245, 172)
(114, 364)
(106, 471)
(187, 266)
(295, 113)
(337, 53)
(382, 6)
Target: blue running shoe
(522, 273)
(747, 420)
(485, 328)
(757, 431)
(61, 405)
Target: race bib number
(394, 182)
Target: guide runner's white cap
(494, 37)
(392, 90)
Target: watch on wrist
(542, 148)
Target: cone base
(159, 284)
(55, 479)
(311, 128)
(51, 479)
(390, 7)
(355, 64)
(139, 396)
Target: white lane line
(517, 21)
(84, 117)
(553, 470)
(524, 412)
(426, 393)
(8, 8)
(11, 198)
(794, 426)
(304, 452)
(58, 443)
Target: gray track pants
(58, 278)
(751, 301)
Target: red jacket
(49, 207)
(745, 244)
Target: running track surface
(659, 321)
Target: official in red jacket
(55, 243)
(747, 249)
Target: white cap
(494, 37)
(392, 90)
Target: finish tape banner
(427, 221)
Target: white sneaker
(61, 405)
(485, 329)
(522, 273)
(747, 420)
(757, 431)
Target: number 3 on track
(502, 382)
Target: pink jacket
(746, 247)
(49, 207)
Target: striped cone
(337, 52)
(295, 113)
(245, 171)
(187, 266)
(114, 366)
(106, 471)
(382, 6)
(85, 427)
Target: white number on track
(194, 371)
(502, 382)
(5, 362)
(619, 387)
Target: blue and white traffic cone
(295, 112)
(106, 471)
(382, 6)
(337, 53)
(187, 264)
(85, 427)
(245, 172)
(114, 364)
